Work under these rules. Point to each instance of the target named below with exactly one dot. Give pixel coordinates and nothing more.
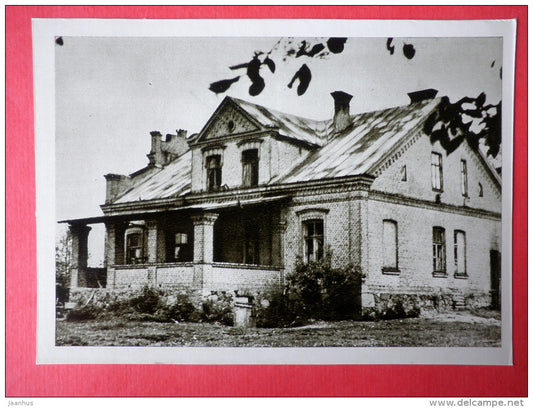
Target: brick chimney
(164, 151)
(116, 184)
(341, 117)
(156, 154)
(419, 96)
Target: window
(250, 168)
(403, 173)
(436, 171)
(439, 251)
(251, 244)
(181, 240)
(214, 172)
(313, 240)
(459, 250)
(480, 190)
(390, 246)
(464, 179)
(134, 252)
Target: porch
(238, 247)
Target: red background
(26, 379)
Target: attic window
(231, 126)
(214, 172)
(403, 173)
(480, 190)
(250, 168)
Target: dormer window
(214, 172)
(250, 168)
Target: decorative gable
(228, 121)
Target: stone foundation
(389, 305)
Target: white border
(44, 31)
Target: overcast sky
(111, 92)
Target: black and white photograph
(289, 194)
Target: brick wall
(135, 277)
(228, 277)
(415, 249)
(417, 159)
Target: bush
(82, 313)
(271, 309)
(316, 290)
(218, 310)
(149, 301)
(182, 310)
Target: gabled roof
(173, 180)
(309, 131)
(358, 150)
(294, 127)
(362, 145)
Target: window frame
(129, 258)
(437, 172)
(253, 165)
(182, 246)
(215, 171)
(317, 240)
(439, 259)
(308, 214)
(456, 248)
(464, 178)
(389, 269)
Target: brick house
(233, 207)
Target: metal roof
(362, 145)
(173, 180)
(291, 126)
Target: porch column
(203, 246)
(114, 243)
(78, 272)
(203, 237)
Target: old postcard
(274, 192)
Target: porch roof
(197, 207)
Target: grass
(461, 329)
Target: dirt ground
(457, 329)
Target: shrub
(182, 310)
(147, 302)
(272, 309)
(88, 312)
(218, 310)
(319, 291)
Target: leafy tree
(62, 257)
(469, 119)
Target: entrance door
(495, 279)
